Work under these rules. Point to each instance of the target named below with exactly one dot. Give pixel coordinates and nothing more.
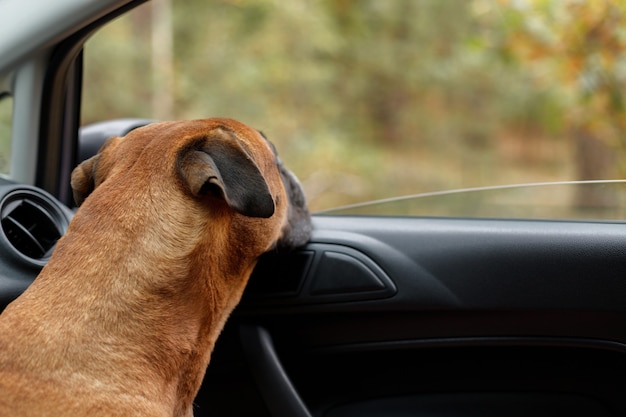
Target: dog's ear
(82, 180)
(224, 169)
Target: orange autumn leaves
(579, 48)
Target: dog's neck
(143, 307)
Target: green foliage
(578, 50)
(364, 99)
(6, 112)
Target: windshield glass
(369, 100)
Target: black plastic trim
(281, 397)
(60, 112)
(484, 404)
(32, 222)
(462, 342)
(319, 274)
(92, 137)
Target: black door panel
(464, 277)
(479, 317)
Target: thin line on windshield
(466, 190)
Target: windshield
(371, 100)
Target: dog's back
(123, 318)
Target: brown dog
(123, 319)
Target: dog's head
(221, 167)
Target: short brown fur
(123, 318)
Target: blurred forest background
(374, 99)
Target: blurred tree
(579, 48)
(162, 54)
(117, 77)
(364, 98)
(406, 65)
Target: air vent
(32, 224)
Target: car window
(555, 200)
(6, 112)
(369, 100)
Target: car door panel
(478, 316)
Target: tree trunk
(594, 161)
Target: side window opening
(6, 113)
(369, 101)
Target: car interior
(376, 315)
